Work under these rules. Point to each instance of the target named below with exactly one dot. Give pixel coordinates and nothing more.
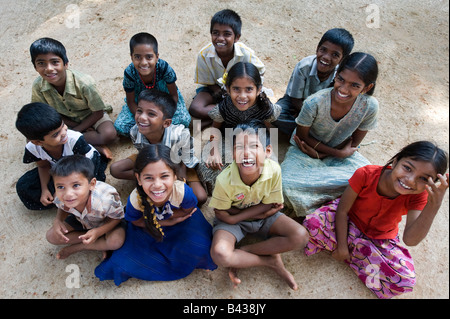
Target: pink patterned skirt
(385, 267)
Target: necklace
(149, 87)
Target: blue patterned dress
(132, 82)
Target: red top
(375, 215)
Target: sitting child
(216, 59)
(49, 140)
(312, 74)
(73, 94)
(154, 125)
(361, 228)
(148, 71)
(89, 213)
(247, 199)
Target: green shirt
(230, 191)
(79, 100)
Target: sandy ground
(409, 39)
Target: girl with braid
(167, 235)
(243, 101)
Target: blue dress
(185, 246)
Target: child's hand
(46, 197)
(341, 254)
(60, 230)
(181, 212)
(214, 162)
(347, 150)
(276, 207)
(176, 219)
(436, 192)
(305, 148)
(89, 237)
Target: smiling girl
(361, 228)
(330, 127)
(244, 101)
(167, 236)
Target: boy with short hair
(90, 212)
(73, 94)
(216, 58)
(246, 199)
(154, 113)
(148, 71)
(312, 74)
(49, 140)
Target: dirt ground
(408, 38)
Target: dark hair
(152, 153)
(143, 38)
(340, 37)
(76, 163)
(227, 17)
(45, 46)
(253, 127)
(424, 151)
(162, 100)
(364, 64)
(247, 69)
(36, 120)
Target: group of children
(352, 208)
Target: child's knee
(52, 238)
(221, 254)
(300, 237)
(116, 239)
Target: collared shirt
(304, 80)
(210, 69)
(230, 190)
(375, 215)
(79, 100)
(104, 201)
(177, 137)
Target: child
(361, 228)
(89, 211)
(167, 235)
(73, 94)
(313, 74)
(216, 59)
(154, 125)
(148, 71)
(330, 126)
(49, 140)
(247, 199)
(244, 101)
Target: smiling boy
(246, 199)
(73, 94)
(313, 74)
(89, 211)
(216, 59)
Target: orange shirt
(375, 215)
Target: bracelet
(317, 155)
(317, 144)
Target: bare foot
(278, 267)
(67, 251)
(102, 149)
(232, 273)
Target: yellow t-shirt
(231, 191)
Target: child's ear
(167, 123)
(368, 88)
(236, 38)
(138, 179)
(269, 151)
(92, 184)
